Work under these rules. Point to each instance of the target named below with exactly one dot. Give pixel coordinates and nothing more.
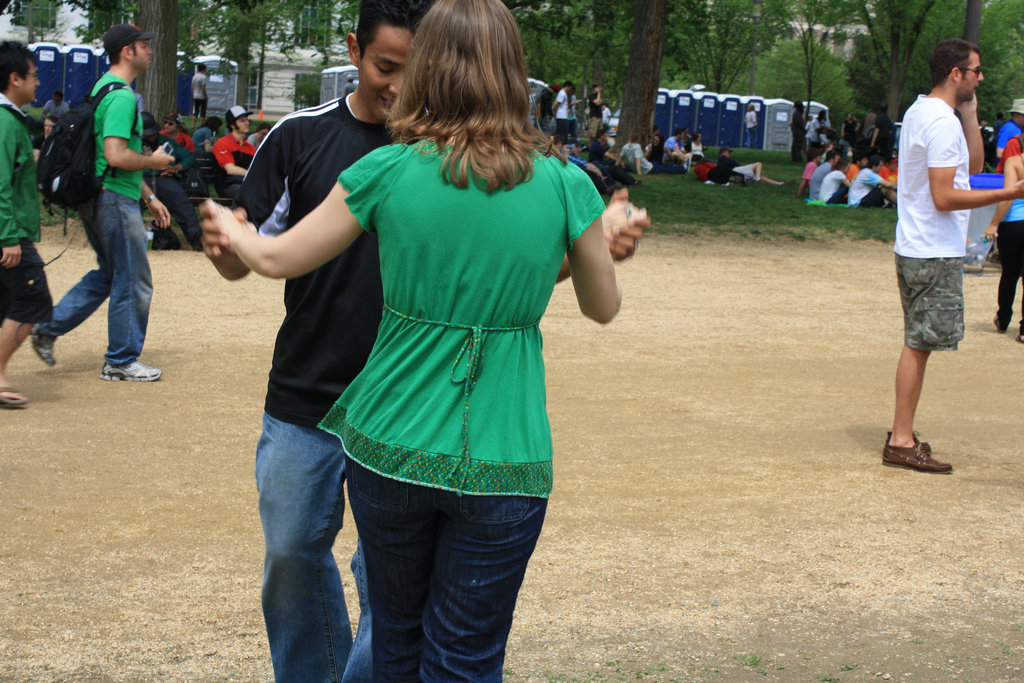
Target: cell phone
(166, 148)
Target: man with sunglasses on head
(937, 153)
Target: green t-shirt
(453, 395)
(118, 116)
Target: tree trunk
(643, 71)
(972, 21)
(159, 85)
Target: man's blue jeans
(113, 224)
(300, 473)
(444, 571)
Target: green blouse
(453, 395)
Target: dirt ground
(720, 509)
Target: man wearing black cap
(113, 221)
(232, 152)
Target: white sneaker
(130, 372)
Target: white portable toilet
(336, 81)
(777, 135)
(221, 84)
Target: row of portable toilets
(74, 69)
(720, 118)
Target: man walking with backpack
(113, 220)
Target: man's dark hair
(859, 154)
(212, 122)
(831, 154)
(950, 53)
(14, 59)
(57, 93)
(568, 84)
(201, 68)
(400, 13)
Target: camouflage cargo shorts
(932, 294)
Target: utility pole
(972, 21)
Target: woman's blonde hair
(465, 89)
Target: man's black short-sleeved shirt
(331, 314)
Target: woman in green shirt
(449, 445)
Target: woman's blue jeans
(444, 571)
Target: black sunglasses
(975, 69)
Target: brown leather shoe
(925, 447)
(913, 458)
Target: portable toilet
(184, 81)
(759, 110)
(79, 72)
(221, 84)
(102, 62)
(682, 110)
(705, 119)
(730, 120)
(777, 135)
(663, 112)
(335, 81)
(50, 65)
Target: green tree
(1002, 55)
(710, 41)
(818, 25)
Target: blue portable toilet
(663, 111)
(730, 120)
(185, 74)
(50, 64)
(102, 61)
(705, 119)
(682, 110)
(761, 112)
(79, 72)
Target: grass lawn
(678, 204)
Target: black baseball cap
(119, 35)
(149, 126)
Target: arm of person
(234, 169)
(886, 184)
(972, 131)
(117, 154)
(1013, 172)
(593, 275)
(623, 225)
(161, 216)
(8, 226)
(949, 198)
(322, 234)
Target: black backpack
(66, 169)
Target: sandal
(8, 402)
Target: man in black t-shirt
(330, 325)
(595, 102)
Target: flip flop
(6, 402)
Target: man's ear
(354, 55)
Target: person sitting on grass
(567, 154)
(835, 185)
(600, 154)
(633, 157)
(728, 167)
(675, 149)
(869, 190)
(826, 167)
(813, 159)
(696, 148)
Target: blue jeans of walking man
(113, 225)
(299, 475)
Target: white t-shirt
(865, 181)
(830, 185)
(751, 119)
(198, 81)
(932, 137)
(632, 152)
(561, 105)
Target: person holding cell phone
(168, 185)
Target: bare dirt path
(720, 511)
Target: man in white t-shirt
(562, 101)
(937, 153)
(869, 189)
(199, 97)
